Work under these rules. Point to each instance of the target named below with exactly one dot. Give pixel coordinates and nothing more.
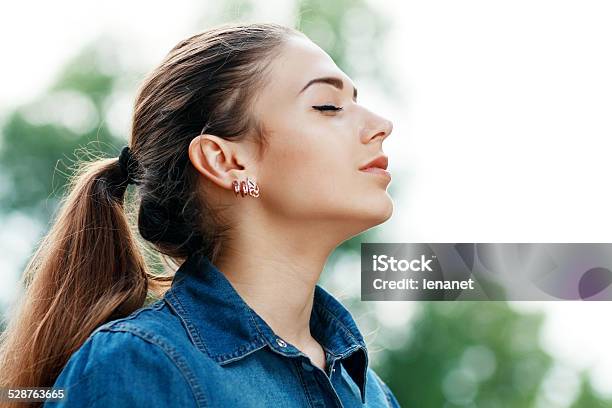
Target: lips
(377, 166)
(380, 162)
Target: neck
(275, 268)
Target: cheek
(306, 178)
(317, 177)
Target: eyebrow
(333, 81)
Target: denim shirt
(201, 345)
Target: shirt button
(281, 342)
(306, 366)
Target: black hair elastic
(128, 165)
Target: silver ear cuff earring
(248, 187)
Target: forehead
(299, 61)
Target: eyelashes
(324, 108)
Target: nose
(379, 128)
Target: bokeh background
(502, 134)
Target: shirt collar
(221, 324)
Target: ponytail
(87, 270)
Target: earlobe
(243, 188)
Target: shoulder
(154, 324)
(374, 381)
(129, 362)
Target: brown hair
(89, 268)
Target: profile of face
(319, 137)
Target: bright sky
(504, 133)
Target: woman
(252, 161)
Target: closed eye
(327, 108)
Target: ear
(220, 160)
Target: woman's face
(310, 170)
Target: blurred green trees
(40, 139)
(469, 352)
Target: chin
(376, 211)
(387, 211)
